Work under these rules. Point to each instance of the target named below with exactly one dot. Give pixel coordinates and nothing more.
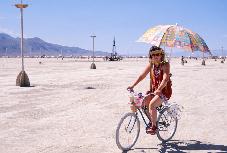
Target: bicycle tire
(132, 117)
(163, 121)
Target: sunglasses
(158, 54)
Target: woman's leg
(155, 102)
(147, 103)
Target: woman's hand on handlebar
(130, 88)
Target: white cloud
(8, 31)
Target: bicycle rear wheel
(127, 132)
(167, 125)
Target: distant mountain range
(10, 46)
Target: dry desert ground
(71, 108)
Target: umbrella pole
(170, 53)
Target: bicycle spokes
(130, 125)
(127, 131)
(167, 125)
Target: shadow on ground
(183, 146)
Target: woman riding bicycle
(159, 71)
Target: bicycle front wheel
(167, 125)
(127, 132)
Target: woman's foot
(149, 125)
(152, 130)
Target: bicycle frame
(142, 110)
(141, 113)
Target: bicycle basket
(133, 108)
(138, 100)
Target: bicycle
(168, 115)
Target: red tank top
(156, 76)
(156, 79)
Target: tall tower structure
(114, 52)
(114, 56)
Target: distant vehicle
(115, 57)
(43, 56)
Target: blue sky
(71, 22)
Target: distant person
(160, 83)
(182, 60)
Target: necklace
(157, 71)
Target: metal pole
(93, 49)
(22, 37)
(93, 66)
(93, 39)
(21, 6)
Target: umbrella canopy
(174, 36)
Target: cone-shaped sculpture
(22, 80)
(93, 66)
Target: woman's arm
(166, 71)
(142, 75)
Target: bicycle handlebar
(132, 91)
